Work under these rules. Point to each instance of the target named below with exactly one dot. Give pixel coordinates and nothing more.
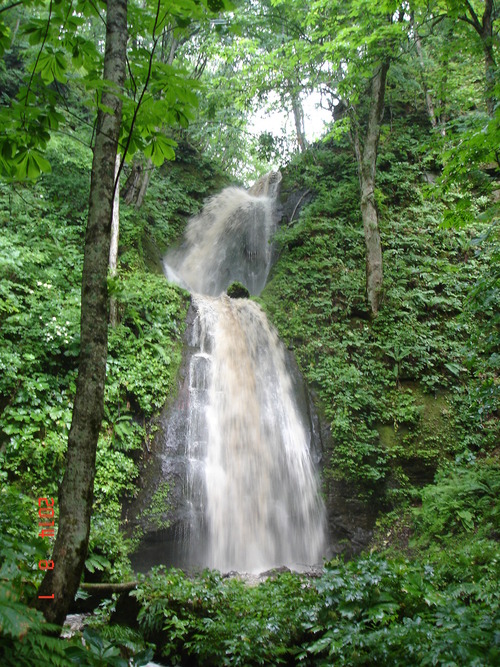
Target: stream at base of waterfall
(250, 484)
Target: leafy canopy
(61, 45)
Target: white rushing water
(250, 473)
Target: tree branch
(14, 4)
(475, 21)
(96, 8)
(466, 19)
(138, 105)
(37, 59)
(110, 587)
(131, 75)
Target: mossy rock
(237, 290)
(420, 444)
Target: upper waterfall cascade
(250, 487)
(228, 241)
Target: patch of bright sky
(316, 118)
(280, 123)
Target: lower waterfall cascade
(241, 442)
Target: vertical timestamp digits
(46, 523)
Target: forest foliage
(411, 397)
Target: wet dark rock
(350, 520)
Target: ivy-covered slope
(411, 389)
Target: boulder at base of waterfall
(237, 290)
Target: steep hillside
(416, 388)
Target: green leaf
(52, 65)
(29, 163)
(160, 149)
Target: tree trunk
(133, 183)
(136, 185)
(298, 117)
(490, 66)
(366, 157)
(490, 70)
(76, 491)
(484, 28)
(115, 236)
(428, 98)
(146, 175)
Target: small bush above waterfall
(237, 291)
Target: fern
(23, 638)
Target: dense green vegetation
(409, 387)
(405, 387)
(411, 396)
(40, 264)
(371, 610)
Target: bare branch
(37, 59)
(141, 97)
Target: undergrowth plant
(370, 610)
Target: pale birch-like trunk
(298, 117)
(115, 236)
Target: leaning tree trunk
(76, 491)
(366, 157)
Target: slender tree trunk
(298, 116)
(76, 491)
(136, 185)
(490, 78)
(428, 98)
(484, 28)
(443, 93)
(366, 157)
(490, 66)
(173, 50)
(132, 186)
(115, 236)
(146, 175)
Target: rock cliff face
(170, 508)
(166, 532)
(350, 520)
(175, 534)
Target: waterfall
(250, 485)
(228, 241)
